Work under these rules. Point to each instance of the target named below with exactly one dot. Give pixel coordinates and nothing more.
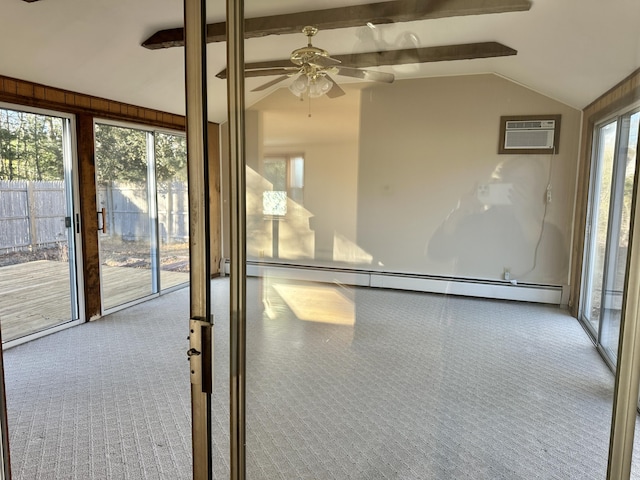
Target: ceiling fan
(313, 67)
(311, 63)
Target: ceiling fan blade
(335, 91)
(324, 61)
(262, 71)
(265, 72)
(270, 84)
(366, 74)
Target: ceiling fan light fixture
(318, 86)
(299, 85)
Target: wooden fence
(33, 213)
(127, 211)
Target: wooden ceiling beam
(344, 17)
(391, 57)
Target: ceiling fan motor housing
(305, 55)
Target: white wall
(426, 146)
(378, 195)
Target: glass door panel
(127, 238)
(329, 394)
(37, 239)
(173, 208)
(601, 194)
(614, 166)
(617, 246)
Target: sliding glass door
(142, 205)
(127, 268)
(613, 171)
(170, 154)
(38, 223)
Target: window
(286, 173)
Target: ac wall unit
(530, 134)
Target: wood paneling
(22, 92)
(88, 214)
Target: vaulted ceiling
(573, 50)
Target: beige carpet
(418, 387)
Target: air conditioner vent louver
(529, 139)
(534, 124)
(530, 134)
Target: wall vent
(531, 134)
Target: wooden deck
(35, 296)
(125, 284)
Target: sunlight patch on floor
(324, 304)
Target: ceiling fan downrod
(310, 32)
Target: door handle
(201, 354)
(103, 216)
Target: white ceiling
(571, 50)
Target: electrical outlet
(483, 191)
(549, 193)
(507, 274)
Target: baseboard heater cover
(525, 293)
(549, 294)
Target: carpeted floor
(356, 384)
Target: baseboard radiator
(503, 290)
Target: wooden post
(169, 217)
(88, 215)
(31, 208)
